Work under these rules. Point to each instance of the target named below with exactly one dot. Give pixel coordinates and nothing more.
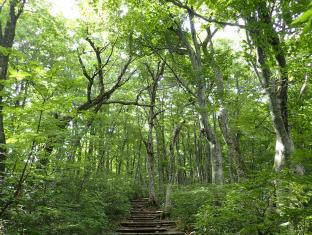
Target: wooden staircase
(144, 220)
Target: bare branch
(262, 121)
(157, 113)
(160, 69)
(208, 37)
(183, 6)
(180, 81)
(149, 70)
(194, 34)
(99, 72)
(103, 98)
(136, 103)
(90, 79)
(83, 67)
(20, 10)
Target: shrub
(259, 206)
(186, 201)
(69, 206)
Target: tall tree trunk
(191, 152)
(284, 145)
(161, 157)
(207, 130)
(6, 41)
(261, 30)
(205, 127)
(228, 135)
(172, 147)
(150, 158)
(155, 76)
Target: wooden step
(144, 216)
(139, 205)
(140, 200)
(146, 211)
(147, 223)
(143, 233)
(145, 220)
(139, 230)
(142, 219)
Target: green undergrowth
(265, 204)
(68, 206)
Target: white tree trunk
(216, 153)
(168, 198)
(284, 145)
(234, 155)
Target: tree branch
(99, 72)
(90, 79)
(183, 6)
(21, 8)
(122, 102)
(102, 98)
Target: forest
(203, 108)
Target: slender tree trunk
(232, 144)
(201, 157)
(191, 152)
(196, 152)
(150, 158)
(155, 76)
(184, 156)
(172, 147)
(160, 155)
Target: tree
(156, 75)
(201, 86)
(7, 35)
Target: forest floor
(145, 220)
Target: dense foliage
(246, 208)
(204, 106)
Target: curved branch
(183, 6)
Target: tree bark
(228, 135)
(6, 41)
(172, 172)
(152, 90)
(205, 127)
(207, 130)
(277, 100)
(150, 158)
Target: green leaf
(4, 51)
(19, 75)
(306, 16)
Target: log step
(140, 199)
(137, 230)
(160, 233)
(145, 220)
(145, 212)
(147, 224)
(144, 217)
